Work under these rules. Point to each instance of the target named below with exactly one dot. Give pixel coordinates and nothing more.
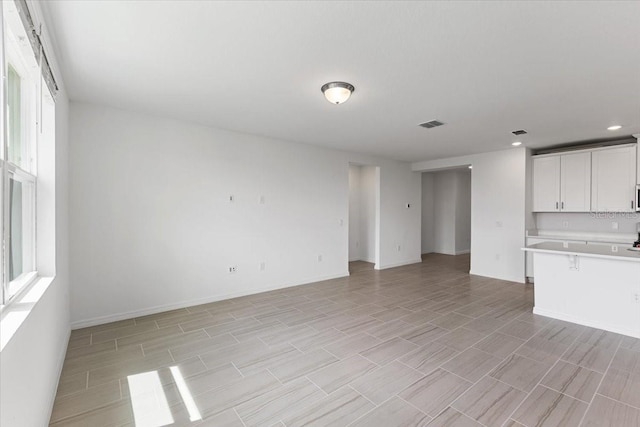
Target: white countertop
(582, 236)
(582, 249)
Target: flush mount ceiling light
(515, 144)
(614, 127)
(337, 92)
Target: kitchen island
(592, 285)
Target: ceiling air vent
(431, 124)
(519, 132)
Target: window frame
(14, 55)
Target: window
(25, 100)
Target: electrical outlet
(233, 269)
(319, 258)
(262, 266)
(565, 224)
(614, 225)
(399, 248)
(341, 223)
(262, 200)
(497, 257)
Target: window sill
(13, 315)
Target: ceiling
(564, 71)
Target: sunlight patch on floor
(150, 406)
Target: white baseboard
(100, 320)
(399, 264)
(466, 251)
(507, 279)
(585, 322)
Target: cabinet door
(613, 180)
(575, 182)
(638, 164)
(546, 184)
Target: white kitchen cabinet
(562, 183)
(575, 182)
(638, 161)
(613, 179)
(546, 184)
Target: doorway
(363, 216)
(446, 213)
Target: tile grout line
(541, 377)
(311, 381)
(600, 383)
(617, 401)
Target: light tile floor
(425, 344)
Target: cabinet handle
(556, 205)
(562, 205)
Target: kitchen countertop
(582, 249)
(576, 236)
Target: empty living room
(319, 213)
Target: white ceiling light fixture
(614, 127)
(517, 143)
(337, 92)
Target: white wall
(463, 211)
(31, 361)
(428, 219)
(354, 213)
(498, 210)
(597, 222)
(362, 213)
(153, 227)
(368, 203)
(446, 211)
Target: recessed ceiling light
(337, 92)
(515, 144)
(615, 127)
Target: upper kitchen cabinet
(638, 162)
(613, 179)
(562, 183)
(546, 184)
(575, 182)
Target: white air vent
(431, 124)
